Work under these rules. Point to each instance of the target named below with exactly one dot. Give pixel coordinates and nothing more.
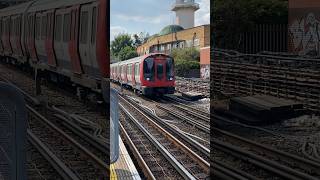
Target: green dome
(170, 29)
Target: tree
(127, 53)
(185, 60)
(233, 17)
(120, 42)
(122, 48)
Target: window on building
(196, 42)
(84, 27)
(169, 46)
(66, 27)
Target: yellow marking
(113, 174)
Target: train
(66, 41)
(151, 74)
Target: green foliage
(185, 60)
(122, 47)
(188, 54)
(232, 17)
(182, 67)
(127, 53)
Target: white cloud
(144, 19)
(202, 16)
(116, 30)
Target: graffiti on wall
(305, 34)
(205, 71)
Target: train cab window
(66, 27)
(160, 71)
(169, 68)
(94, 25)
(84, 27)
(43, 27)
(148, 67)
(58, 25)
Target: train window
(66, 27)
(57, 30)
(160, 71)
(43, 27)
(38, 27)
(94, 25)
(169, 68)
(19, 25)
(84, 27)
(148, 67)
(130, 69)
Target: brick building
(174, 36)
(304, 27)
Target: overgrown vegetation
(232, 17)
(185, 60)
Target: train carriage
(65, 40)
(150, 74)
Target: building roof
(170, 29)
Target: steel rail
(262, 162)
(98, 161)
(29, 98)
(199, 111)
(142, 164)
(305, 164)
(195, 144)
(193, 122)
(172, 160)
(224, 171)
(56, 163)
(155, 120)
(193, 113)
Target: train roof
(17, 9)
(137, 59)
(41, 5)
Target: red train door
(49, 39)
(73, 44)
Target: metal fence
(13, 130)
(290, 77)
(265, 37)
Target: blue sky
(135, 16)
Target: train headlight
(148, 79)
(170, 78)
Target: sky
(149, 16)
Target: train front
(158, 75)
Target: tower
(185, 10)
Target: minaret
(185, 10)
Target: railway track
(82, 152)
(82, 161)
(42, 163)
(280, 164)
(142, 129)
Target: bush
(183, 67)
(185, 60)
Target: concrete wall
(304, 27)
(205, 62)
